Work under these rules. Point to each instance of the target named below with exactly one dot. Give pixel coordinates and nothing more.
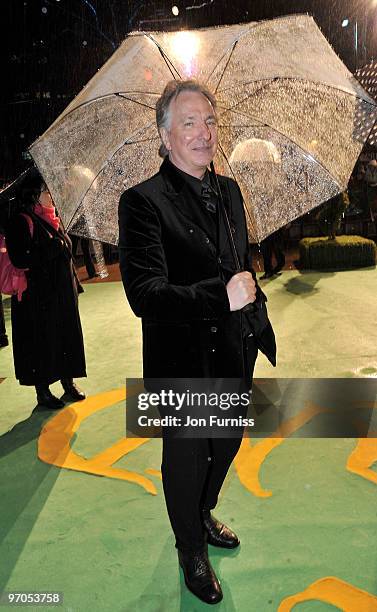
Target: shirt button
(207, 240)
(213, 350)
(213, 329)
(191, 231)
(219, 260)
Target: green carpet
(106, 543)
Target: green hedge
(340, 254)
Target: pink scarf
(48, 214)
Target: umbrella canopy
(367, 77)
(292, 122)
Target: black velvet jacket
(175, 275)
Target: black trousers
(193, 471)
(272, 245)
(85, 247)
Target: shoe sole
(232, 547)
(70, 398)
(46, 407)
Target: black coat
(46, 329)
(175, 279)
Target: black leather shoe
(199, 576)
(72, 390)
(3, 340)
(219, 534)
(46, 399)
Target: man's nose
(205, 131)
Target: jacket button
(213, 329)
(213, 350)
(191, 231)
(219, 260)
(207, 240)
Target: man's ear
(165, 138)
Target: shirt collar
(195, 183)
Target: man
(179, 276)
(272, 245)
(85, 248)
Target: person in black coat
(180, 277)
(46, 329)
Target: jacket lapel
(186, 201)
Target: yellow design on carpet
(336, 592)
(250, 457)
(362, 458)
(54, 442)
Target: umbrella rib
(139, 141)
(142, 129)
(244, 125)
(120, 95)
(255, 123)
(263, 86)
(231, 109)
(296, 78)
(225, 67)
(166, 59)
(87, 102)
(291, 140)
(260, 123)
(169, 64)
(104, 165)
(235, 179)
(305, 153)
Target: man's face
(192, 136)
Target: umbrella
(292, 122)
(367, 77)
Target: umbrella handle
(249, 307)
(226, 221)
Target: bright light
(175, 10)
(185, 46)
(345, 23)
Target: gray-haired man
(180, 277)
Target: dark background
(55, 46)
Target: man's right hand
(241, 290)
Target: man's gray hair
(170, 93)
